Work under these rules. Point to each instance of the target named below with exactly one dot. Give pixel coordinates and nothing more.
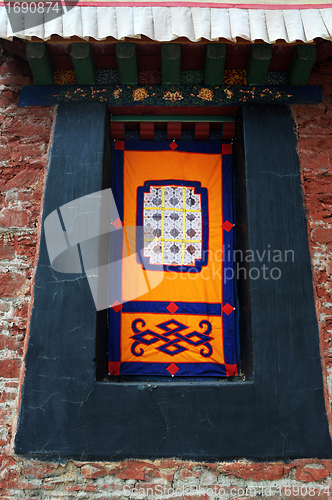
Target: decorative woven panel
(174, 310)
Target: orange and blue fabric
(175, 314)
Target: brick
(10, 196)
(11, 384)
(91, 487)
(26, 127)
(21, 485)
(310, 143)
(6, 461)
(11, 284)
(324, 293)
(4, 306)
(33, 195)
(7, 396)
(10, 368)
(90, 472)
(8, 98)
(24, 179)
(256, 472)
(322, 276)
(4, 414)
(114, 487)
(4, 153)
(134, 470)
(15, 80)
(11, 66)
(314, 126)
(9, 479)
(23, 311)
(15, 157)
(45, 112)
(319, 186)
(329, 268)
(208, 477)
(7, 249)
(168, 475)
(39, 471)
(31, 149)
(303, 110)
(25, 246)
(14, 217)
(309, 474)
(37, 162)
(316, 160)
(11, 343)
(322, 235)
(185, 473)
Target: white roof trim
(164, 24)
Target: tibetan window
(173, 312)
(276, 413)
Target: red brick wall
(315, 151)
(25, 138)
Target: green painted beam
(83, 61)
(170, 63)
(258, 63)
(127, 64)
(301, 65)
(172, 118)
(215, 63)
(40, 63)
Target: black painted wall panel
(277, 413)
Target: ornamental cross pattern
(172, 220)
(171, 337)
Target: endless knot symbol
(172, 338)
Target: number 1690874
(34, 7)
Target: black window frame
(277, 413)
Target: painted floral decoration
(192, 77)
(173, 95)
(120, 95)
(235, 77)
(98, 94)
(277, 78)
(64, 77)
(107, 77)
(116, 93)
(229, 93)
(149, 77)
(247, 94)
(205, 94)
(140, 94)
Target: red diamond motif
(172, 308)
(226, 149)
(116, 306)
(119, 145)
(117, 223)
(227, 225)
(172, 369)
(173, 145)
(228, 309)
